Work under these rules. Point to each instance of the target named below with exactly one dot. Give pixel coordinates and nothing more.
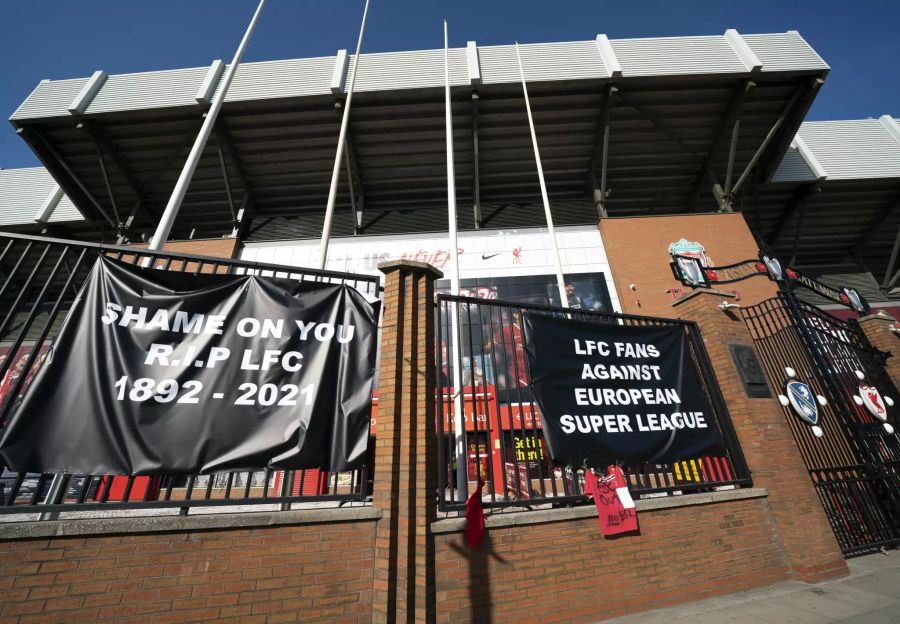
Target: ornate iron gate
(855, 465)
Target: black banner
(159, 371)
(612, 393)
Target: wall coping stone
(102, 527)
(390, 266)
(455, 525)
(876, 316)
(698, 291)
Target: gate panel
(855, 466)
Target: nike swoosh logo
(484, 257)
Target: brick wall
(212, 247)
(215, 247)
(768, 444)
(638, 254)
(877, 328)
(300, 573)
(568, 572)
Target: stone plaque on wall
(752, 376)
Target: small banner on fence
(159, 371)
(611, 393)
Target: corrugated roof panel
(50, 98)
(65, 211)
(793, 168)
(22, 193)
(674, 56)
(860, 148)
(575, 60)
(401, 70)
(785, 52)
(145, 90)
(280, 79)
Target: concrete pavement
(870, 595)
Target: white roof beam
(473, 63)
(340, 72)
(87, 93)
(743, 51)
(604, 47)
(50, 203)
(811, 161)
(891, 125)
(210, 82)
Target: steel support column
(600, 193)
(875, 224)
(476, 181)
(887, 282)
(226, 179)
(657, 123)
(799, 199)
(45, 144)
(354, 177)
(797, 235)
(109, 190)
(787, 110)
(732, 114)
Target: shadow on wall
(479, 575)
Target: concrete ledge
(410, 265)
(877, 316)
(201, 522)
(454, 525)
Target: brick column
(405, 469)
(811, 550)
(877, 328)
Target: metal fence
(39, 281)
(855, 465)
(503, 439)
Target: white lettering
(111, 314)
(159, 352)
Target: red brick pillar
(405, 469)
(877, 328)
(811, 550)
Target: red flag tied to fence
(475, 517)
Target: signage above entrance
(693, 269)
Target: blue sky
(56, 39)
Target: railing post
(405, 479)
(811, 551)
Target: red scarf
(475, 517)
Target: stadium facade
(651, 148)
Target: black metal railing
(502, 434)
(39, 281)
(855, 465)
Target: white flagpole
(336, 172)
(193, 159)
(458, 430)
(564, 299)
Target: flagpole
(336, 172)
(184, 180)
(462, 480)
(560, 281)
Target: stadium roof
(835, 197)
(31, 197)
(117, 143)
